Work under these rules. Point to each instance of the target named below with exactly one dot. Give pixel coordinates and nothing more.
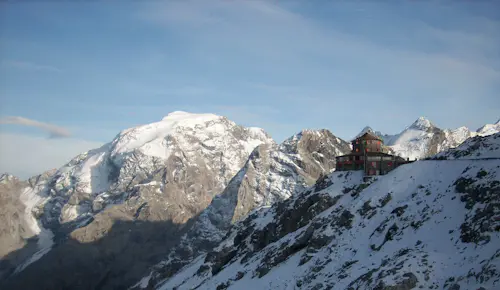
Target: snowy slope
(417, 140)
(474, 148)
(430, 225)
(489, 129)
(272, 173)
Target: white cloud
(25, 155)
(54, 130)
(30, 66)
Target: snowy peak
(422, 124)
(308, 138)
(369, 130)
(210, 148)
(190, 117)
(6, 178)
(151, 139)
(365, 130)
(489, 129)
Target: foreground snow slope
(430, 224)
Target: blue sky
(96, 68)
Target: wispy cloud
(30, 66)
(19, 157)
(54, 130)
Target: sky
(73, 74)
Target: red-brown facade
(369, 154)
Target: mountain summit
(422, 123)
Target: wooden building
(369, 154)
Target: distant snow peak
(365, 130)
(5, 177)
(489, 129)
(370, 130)
(422, 123)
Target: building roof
(369, 136)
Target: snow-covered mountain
(160, 197)
(424, 139)
(272, 173)
(167, 171)
(431, 224)
(196, 154)
(131, 200)
(489, 129)
(478, 147)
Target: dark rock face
(253, 240)
(410, 282)
(106, 259)
(479, 224)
